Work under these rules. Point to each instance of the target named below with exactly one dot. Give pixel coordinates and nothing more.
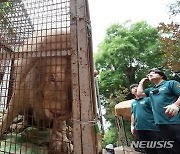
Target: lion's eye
(52, 78)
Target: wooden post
(77, 145)
(82, 81)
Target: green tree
(170, 39)
(110, 137)
(116, 97)
(126, 54)
(5, 23)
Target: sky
(103, 13)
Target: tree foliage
(126, 53)
(116, 97)
(170, 39)
(110, 137)
(174, 8)
(5, 23)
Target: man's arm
(140, 91)
(177, 103)
(133, 131)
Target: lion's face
(57, 91)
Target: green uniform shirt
(143, 116)
(166, 93)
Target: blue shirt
(166, 93)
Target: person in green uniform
(165, 100)
(142, 122)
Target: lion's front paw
(60, 145)
(17, 127)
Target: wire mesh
(35, 77)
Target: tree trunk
(130, 73)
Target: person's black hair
(132, 86)
(156, 70)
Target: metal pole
(126, 138)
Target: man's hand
(171, 110)
(133, 130)
(143, 80)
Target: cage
(47, 91)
